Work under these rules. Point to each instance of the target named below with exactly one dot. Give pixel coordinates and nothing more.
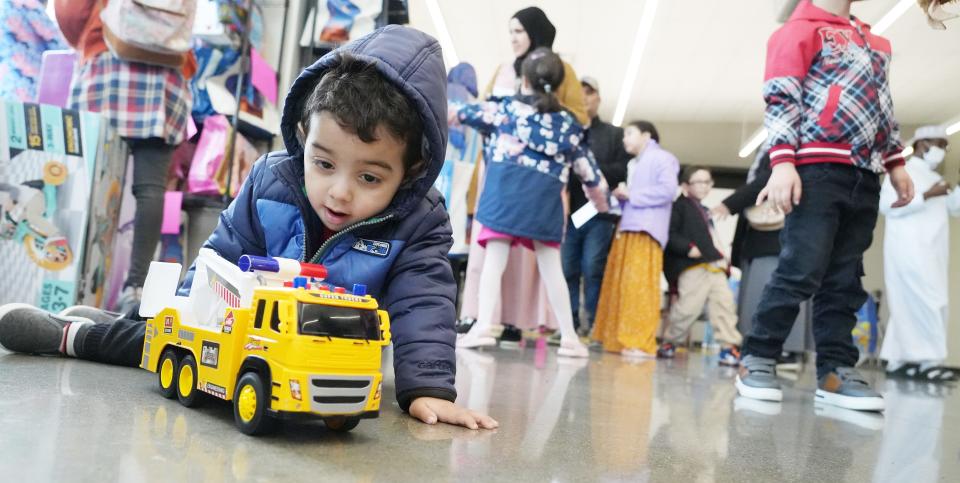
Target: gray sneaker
(27, 329)
(129, 299)
(757, 379)
(846, 388)
(98, 316)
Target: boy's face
(699, 185)
(634, 141)
(348, 180)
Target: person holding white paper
(588, 235)
(628, 313)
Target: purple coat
(652, 181)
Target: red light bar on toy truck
(280, 268)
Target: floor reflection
(605, 419)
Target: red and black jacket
(828, 95)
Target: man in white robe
(916, 258)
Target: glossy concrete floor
(561, 420)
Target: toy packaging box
(61, 172)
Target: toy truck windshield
(344, 322)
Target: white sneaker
(572, 348)
(637, 354)
(472, 340)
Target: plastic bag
(208, 156)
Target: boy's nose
(340, 190)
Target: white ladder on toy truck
(217, 284)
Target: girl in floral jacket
(533, 142)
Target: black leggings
(151, 160)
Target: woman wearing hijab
(524, 303)
(529, 29)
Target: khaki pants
(698, 287)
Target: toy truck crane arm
(218, 284)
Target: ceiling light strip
(633, 67)
(446, 42)
(754, 142)
(895, 13)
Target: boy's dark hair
(689, 171)
(543, 69)
(360, 99)
(646, 126)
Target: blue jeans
(823, 242)
(584, 254)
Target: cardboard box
(60, 177)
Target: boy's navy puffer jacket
(399, 254)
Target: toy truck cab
(279, 348)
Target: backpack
(154, 32)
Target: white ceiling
(704, 60)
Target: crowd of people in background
(614, 258)
(646, 261)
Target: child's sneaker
(789, 361)
(666, 351)
(554, 338)
(29, 330)
(96, 315)
(729, 356)
(757, 379)
(464, 325)
(572, 348)
(129, 299)
(473, 339)
(636, 354)
(511, 335)
(846, 388)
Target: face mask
(934, 156)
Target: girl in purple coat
(628, 312)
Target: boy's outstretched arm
(420, 293)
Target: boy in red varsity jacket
(831, 133)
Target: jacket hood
(806, 10)
(464, 75)
(549, 132)
(413, 62)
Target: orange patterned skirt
(628, 313)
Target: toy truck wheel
(167, 374)
(250, 402)
(341, 424)
(187, 391)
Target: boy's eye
(323, 164)
(369, 178)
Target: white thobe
(916, 248)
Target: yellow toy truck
(268, 335)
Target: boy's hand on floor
(432, 410)
(903, 185)
(783, 189)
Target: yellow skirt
(628, 313)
